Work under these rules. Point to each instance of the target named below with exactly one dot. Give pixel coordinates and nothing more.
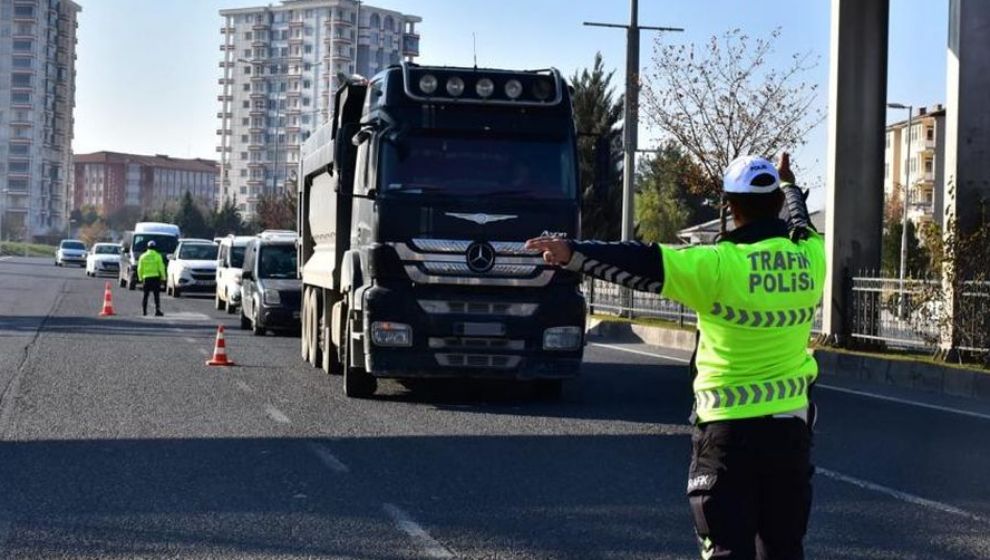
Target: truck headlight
(391, 334)
(271, 297)
(562, 338)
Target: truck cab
(135, 243)
(414, 206)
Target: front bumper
(187, 284)
(278, 317)
(106, 268)
(66, 259)
(475, 336)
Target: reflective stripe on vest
(752, 393)
(748, 318)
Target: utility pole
(631, 112)
(902, 272)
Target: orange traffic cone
(107, 302)
(219, 351)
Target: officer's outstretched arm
(798, 220)
(632, 264)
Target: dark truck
(414, 205)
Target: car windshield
(73, 245)
(277, 261)
(164, 244)
(107, 250)
(198, 251)
(237, 256)
(468, 166)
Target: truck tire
(331, 359)
(231, 308)
(304, 341)
(122, 282)
(132, 283)
(312, 335)
(245, 322)
(358, 384)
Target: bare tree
(724, 99)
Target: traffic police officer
(755, 293)
(151, 273)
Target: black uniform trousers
(151, 286)
(749, 487)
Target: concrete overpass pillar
(967, 129)
(856, 121)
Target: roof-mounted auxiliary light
(513, 89)
(484, 88)
(542, 89)
(455, 86)
(428, 84)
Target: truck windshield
(277, 261)
(198, 252)
(465, 166)
(164, 244)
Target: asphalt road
(116, 441)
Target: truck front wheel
(358, 383)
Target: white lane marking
(189, 339)
(244, 387)
(327, 458)
(431, 547)
(826, 386)
(640, 352)
(897, 494)
(904, 401)
(204, 351)
(276, 414)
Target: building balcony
(293, 93)
(297, 23)
(259, 43)
(296, 40)
(225, 47)
(341, 40)
(223, 131)
(256, 165)
(225, 30)
(255, 182)
(17, 209)
(340, 58)
(254, 147)
(225, 98)
(258, 78)
(256, 112)
(223, 115)
(225, 81)
(255, 95)
(261, 26)
(225, 64)
(256, 129)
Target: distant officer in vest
(151, 273)
(755, 292)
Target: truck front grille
(476, 343)
(493, 361)
(440, 307)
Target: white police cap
(744, 176)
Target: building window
(19, 166)
(246, 104)
(244, 137)
(21, 80)
(247, 36)
(22, 62)
(19, 149)
(930, 132)
(929, 165)
(244, 155)
(20, 98)
(23, 45)
(245, 121)
(247, 70)
(24, 11)
(244, 173)
(243, 191)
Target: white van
(230, 259)
(166, 238)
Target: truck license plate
(480, 329)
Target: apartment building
(109, 181)
(37, 97)
(279, 67)
(923, 165)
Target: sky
(148, 69)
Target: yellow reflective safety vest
(150, 265)
(756, 302)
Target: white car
(103, 259)
(70, 251)
(230, 259)
(193, 267)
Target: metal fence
(911, 314)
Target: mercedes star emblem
(480, 257)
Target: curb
(908, 374)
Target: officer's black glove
(798, 220)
